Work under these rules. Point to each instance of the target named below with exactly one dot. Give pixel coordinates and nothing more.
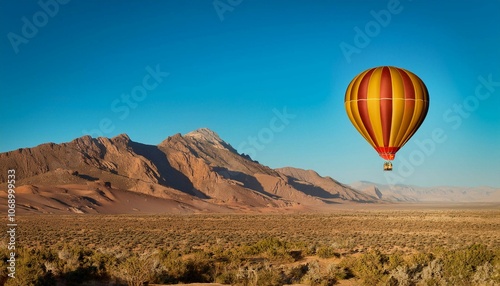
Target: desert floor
(242, 244)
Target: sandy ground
(95, 198)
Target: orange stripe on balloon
(352, 107)
(418, 109)
(363, 105)
(409, 107)
(373, 103)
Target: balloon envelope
(387, 105)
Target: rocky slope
(312, 183)
(196, 172)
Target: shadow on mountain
(246, 180)
(87, 177)
(91, 200)
(169, 176)
(61, 202)
(311, 190)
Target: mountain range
(444, 194)
(191, 173)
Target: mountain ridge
(191, 173)
(411, 193)
(194, 172)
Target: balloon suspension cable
(388, 166)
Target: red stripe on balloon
(363, 85)
(386, 104)
(408, 85)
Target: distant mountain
(405, 193)
(324, 187)
(197, 172)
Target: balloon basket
(387, 166)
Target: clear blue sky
(70, 68)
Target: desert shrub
(400, 276)
(227, 277)
(432, 274)
(395, 260)
(295, 274)
(420, 259)
(272, 248)
(313, 275)
(78, 264)
(228, 250)
(246, 276)
(139, 270)
(30, 268)
(460, 265)
(269, 276)
(335, 272)
(173, 265)
(4, 256)
(252, 264)
(327, 252)
(104, 264)
(369, 267)
(199, 268)
(485, 275)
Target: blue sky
(268, 76)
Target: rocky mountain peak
(122, 136)
(195, 172)
(121, 139)
(205, 135)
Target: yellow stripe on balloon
(412, 128)
(353, 112)
(349, 109)
(416, 85)
(417, 110)
(373, 103)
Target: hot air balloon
(387, 105)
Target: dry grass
(388, 247)
(347, 231)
